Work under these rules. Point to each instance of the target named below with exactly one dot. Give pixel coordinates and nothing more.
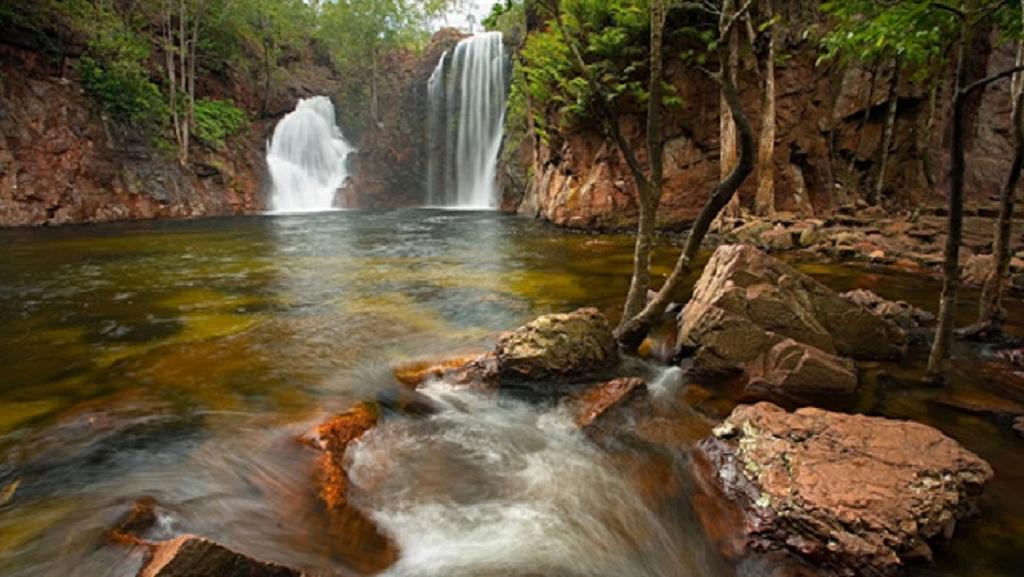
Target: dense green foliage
(218, 119)
(613, 36)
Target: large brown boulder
(767, 294)
(192, 556)
(797, 371)
(557, 346)
(859, 495)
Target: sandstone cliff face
(829, 127)
(62, 161)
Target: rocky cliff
(829, 129)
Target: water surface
(183, 360)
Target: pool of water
(182, 361)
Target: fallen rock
(900, 313)
(793, 370)
(131, 527)
(743, 291)
(192, 556)
(600, 399)
(557, 346)
(333, 438)
(859, 495)
(976, 269)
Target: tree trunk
(648, 197)
(991, 313)
(887, 133)
(630, 333)
(943, 344)
(727, 126)
(374, 112)
(167, 26)
(764, 202)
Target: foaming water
(493, 486)
(307, 158)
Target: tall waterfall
(307, 158)
(466, 95)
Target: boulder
(793, 370)
(602, 398)
(557, 346)
(743, 291)
(333, 438)
(858, 495)
(976, 269)
(900, 313)
(192, 556)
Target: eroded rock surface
(602, 398)
(858, 495)
(798, 371)
(743, 289)
(192, 556)
(333, 438)
(557, 346)
(902, 313)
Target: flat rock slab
(858, 495)
(602, 398)
(192, 556)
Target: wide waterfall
(307, 158)
(466, 95)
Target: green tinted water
(181, 360)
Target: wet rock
(901, 313)
(414, 374)
(793, 370)
(135, 523)
(333, 438)
(192, 556)
(976, 269)
(557, 346)
(858, 495)
(602, 398)
(980, 402)
(1013, 356)
(744, 292)
(1018, 425)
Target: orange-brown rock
(333, 438)
(857, 495)
(600, 399)
(129, 529)
(192, 556)
(416, 373)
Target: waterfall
(466, 96)
(307, 158)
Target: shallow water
(182, 360)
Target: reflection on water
(181, 360)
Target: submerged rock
(192, 556)
(902, 313)
(600, 399)
(557, 346)
(859, 495)
(333, 438)
(130, 528)
(774, 298)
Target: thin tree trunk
(172, 79)
(943, 344)
(630, 333)
(647, 203)
(888, 129)
(927, 134)
(991, 313)
(764, 202)
(727, 126)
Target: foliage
(216, 120)
(913, 31)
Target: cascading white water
(489, 486)
(467, 94)
(307, 158)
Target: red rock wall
(62, 162)
(825, 151)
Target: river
(182, 360)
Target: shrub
(216, 120)
(123, 89)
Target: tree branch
(965, 91)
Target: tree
(764, 201)
(270, 28)
(916, 32)
(991, 313)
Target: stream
(183, 360)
